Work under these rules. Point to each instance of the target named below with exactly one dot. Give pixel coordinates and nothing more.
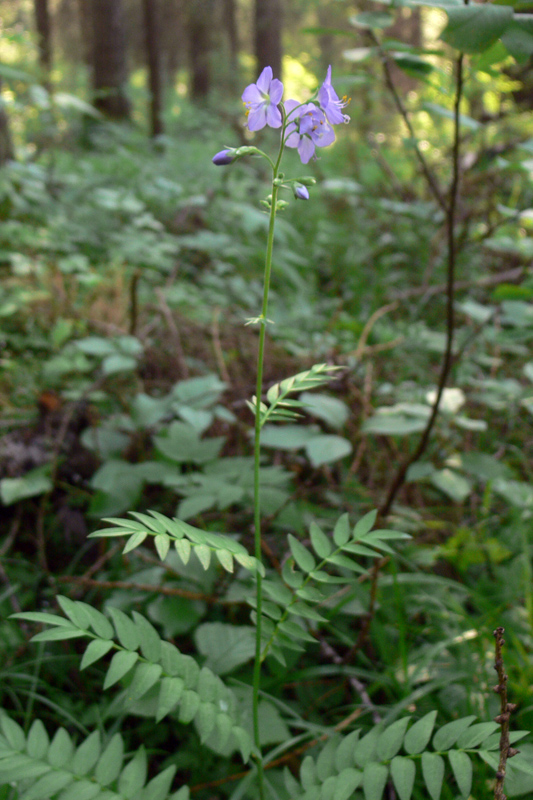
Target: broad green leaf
(57, 634)
(121, 663)
(372, 19)
(94, 651)
(162, 545)
(344, 755)
(38, 742)
(61, 749)
(133, 776)
(347, 782)
(446, 736)
(127, 632)
(169, 696)
(36, 481)
(189, 704)
(145, 676)
(365, 525)
(48, 785)
(75, 612)
(226, 559)
(134, 541)
(321, 543)
(518, 38)
(44, 618)
(100, 624)
(403, 772)
(374, 780)
(205, 720)
(454, 485)
(244, 743)
(419, 734)
(308, 776)
(327, 449)
(224, 727)
(365, 748)
(330, 409)
(462, 769)
(86, 755)
(203, 554)
(80, 790)
(393, 425)
(341, 532)
(159, 787)
(474, 28)
(225, 646)
(183, 549)
(433, 771)
(391, 739)
(110, 762)
(301, 554)
(150, 640)
(476, 734)
(288, 437)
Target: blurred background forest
(128, 266)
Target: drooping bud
(300, 192)
(224, 158)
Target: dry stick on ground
(450, 208)
(179, 353)
(506, 709)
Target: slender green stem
(257, 461)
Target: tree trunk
(6, 145)
(44, 37)
(268, 35)
(109, 60)
(151, 26)
(230, 19)
(199, 47)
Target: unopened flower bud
(301, 192)
(281, 205)
(224, 158)
(307, 180)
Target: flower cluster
(304, 126)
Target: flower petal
(273, 116)
(264, 80)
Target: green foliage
(44, 767)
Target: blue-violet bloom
(308, 128)
(261, 100)
(330, 103)
(223, 158)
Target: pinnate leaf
(374, 780)
(133, 776)
(433, 771)
(403, 772)
(87, 754)
(321, 543)
(149, 637)
(301, 555)
(127, 632)
(341, 532)
(419, 734)
(110, 762)
(169, 696)
(61, 749)
(391, 739)
(446, 736)
(462, 769)
(95, 650)
(121, 663)
(145, 676)
(38, 742)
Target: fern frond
(40, 768)
(148, 664)
(399, 753)
(185, 538)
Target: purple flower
(223, 158)
(261, 100)
(300, 192)
(308, 128)
(330, 103)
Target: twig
(451, 208)
(146, 587)
(428, 174)
(217, 347)
(487, 280)
(506, 709)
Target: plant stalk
(257, 463)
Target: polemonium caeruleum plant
(304, 126)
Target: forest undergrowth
(341, 636)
